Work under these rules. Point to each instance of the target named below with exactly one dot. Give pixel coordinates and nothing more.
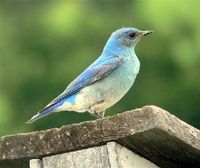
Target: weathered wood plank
(111, 155)
(95, 157)
(121, 157)
(36, 163)
(149, 131)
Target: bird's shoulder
(98, 68)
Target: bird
(105, 81)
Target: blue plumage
(105, 81)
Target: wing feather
(92, 74)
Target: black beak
(147, 32)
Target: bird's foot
(98, 115)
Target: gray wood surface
(95, 157)
(36, 163)
(121, 157)
(111, 155)
(149, 131)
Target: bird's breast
(107, 91)
(127, 72)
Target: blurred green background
(46, 44)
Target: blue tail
(45, 112)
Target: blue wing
(97, 71)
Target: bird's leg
(99, 115)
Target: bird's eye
(132, 35)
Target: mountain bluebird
(105, 81)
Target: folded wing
(92, 74)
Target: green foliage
(46, 44)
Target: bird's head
(127, 37)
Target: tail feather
(43, 113)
